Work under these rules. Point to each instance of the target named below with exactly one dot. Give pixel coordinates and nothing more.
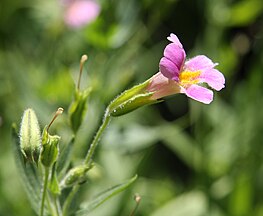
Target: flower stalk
(94, 144)
(44, 190)
(49, 155)
(87, 161)
(69, 200)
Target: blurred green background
(192, 159)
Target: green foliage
(27, 172)
(102, 197)
(53, 183)
(65, 158)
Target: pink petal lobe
(213, 78)
(169, 69)
(173, 38)
(175, 53)
(199, 93)
(199, 63)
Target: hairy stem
(57, 206)
(106, 120)
(69, 199)
(88, 160)
(44, 191)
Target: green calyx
(131, 99)
(75, 176)
(78, 108)
(50, 148)
(30, 139)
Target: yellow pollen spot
(189, 77)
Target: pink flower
(79, 13)
(179, 76)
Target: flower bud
(30, 139)
(50, 148)
(78, 108)
(74, 176)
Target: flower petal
(199, 93)
(173, 38)
(169, 69)
(213, 78)
(199, 63)
(175, 53)
(162, 86)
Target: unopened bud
(50, 148)
(83, 59)
(75, 176)
(78, 108)
(30, 139)
(137, 198)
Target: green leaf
(102, 197)
(64, 158)
(53, 184)
(28, 173)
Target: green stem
(57, 206)
(88, 160)
(69, 199)
(106, 120)
(44, 191)
(137, 200)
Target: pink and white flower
(180, 76)
(79, 13)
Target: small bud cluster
(33, 147)
(30, 139)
